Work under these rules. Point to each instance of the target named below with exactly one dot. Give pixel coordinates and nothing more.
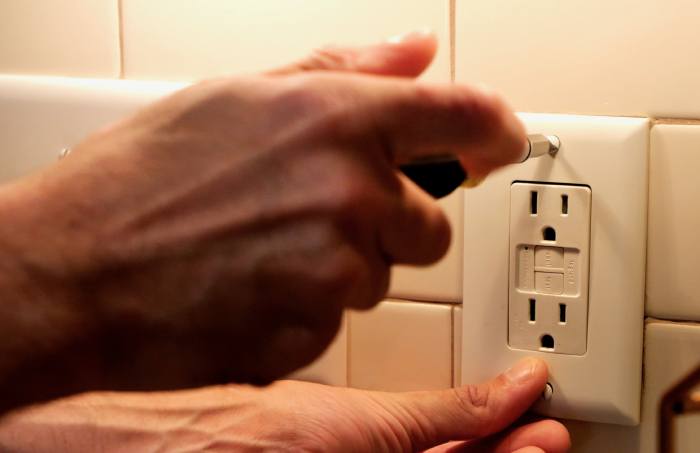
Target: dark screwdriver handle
(441, 175)
(438, 177)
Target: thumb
(404, 56)
(472, 411)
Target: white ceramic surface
(618, 57)
(401, 346)
(674, 222)
(187, 39)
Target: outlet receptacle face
(549, 248)
(595, 361)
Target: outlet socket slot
(562, 313)
(564, 204)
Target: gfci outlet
(554, 267)
(549, 247)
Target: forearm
(220, 418)
(47, 347)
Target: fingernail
(521, 372)
(411, 35)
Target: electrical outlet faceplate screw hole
(549, 234)
(547, 342)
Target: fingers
(403, 56)
(417, 231)
(403, 120)
(547, 436)
(413, 120)
(472, 411)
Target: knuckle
(475, 401)
(478, 395)
(317, 101)
(350, 194)
(328, 59)
(306, 94)
(473, 398)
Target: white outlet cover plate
(608, 154)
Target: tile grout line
(120, 16)
(654, 319)
(647, 217)
(452, 347)
(347, 348)
(452, 24)
(675, 121)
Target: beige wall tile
(400, 346)
(60, 37)
(671, 351)
(188, 39)
(331, 368)
(457, 346)
(673, 255)
(441, 282)
(619, 57)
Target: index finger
(410, 120)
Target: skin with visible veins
(217, 235)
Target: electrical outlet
(554, 267)
(549, 247)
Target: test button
(549, 258)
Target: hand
(218, 234)
(295, 416)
